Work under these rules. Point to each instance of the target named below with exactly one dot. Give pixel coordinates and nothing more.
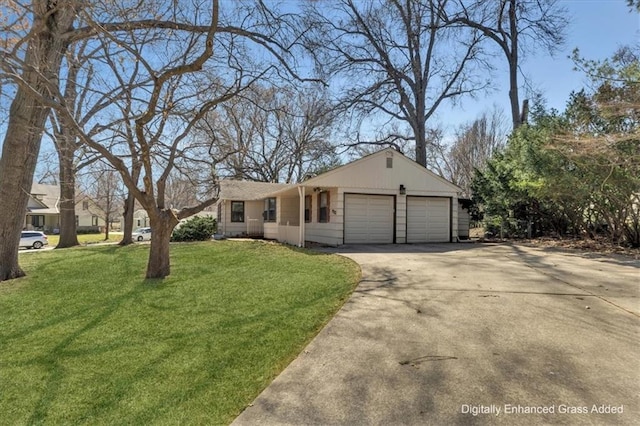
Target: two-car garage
(370, 219)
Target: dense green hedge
(572, 173)
(88, 230)
(195, 229)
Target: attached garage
(428, 219)
(381, 198)
(368, 219)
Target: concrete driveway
(470, 334)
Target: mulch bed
(601, 246)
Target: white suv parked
(33, 239)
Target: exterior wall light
(403, 190)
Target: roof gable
(372, 172)
(44, 199)
(92, 208)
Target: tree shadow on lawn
(52, 360)
(55, 361)
(315, 250)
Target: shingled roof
(46, 195)
(248, 190)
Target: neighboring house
(89, 215)
(382, 198)
(141, 219)
(43, 210)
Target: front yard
(86, 239)
(84, 338)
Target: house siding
(85, 216)
(463, 222)
(253, 222)
(371, 173)
(329, 233)
(401, 219)
(288, 209)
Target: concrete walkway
(470, 334)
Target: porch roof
(248, 190)
(38, 211)
(293, 189)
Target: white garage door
(368, 219)
(428, 220)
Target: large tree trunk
(421, 147)
(129, 206)
(17, 166)
(68, 231)
(162, 224)
(26, 122)
(514, 98)
(127, 227)
(107, 224)
(420, 126)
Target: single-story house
(382, 198)
(43, 210)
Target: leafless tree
(182, 190)
(48, 171)
(72, 154)
(104, 187)
(474, 144)
(272, 134)
(396, 62)
(516, 27)
(164, 91)
(32, 62)
(173, 64)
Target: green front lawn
(86, 238)
(84, 338)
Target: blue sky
(597, 28)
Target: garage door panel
(368, 219)
(428, 219)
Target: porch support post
(301, 227)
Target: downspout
(301, 227)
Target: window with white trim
(237, 211)
(323, 207)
